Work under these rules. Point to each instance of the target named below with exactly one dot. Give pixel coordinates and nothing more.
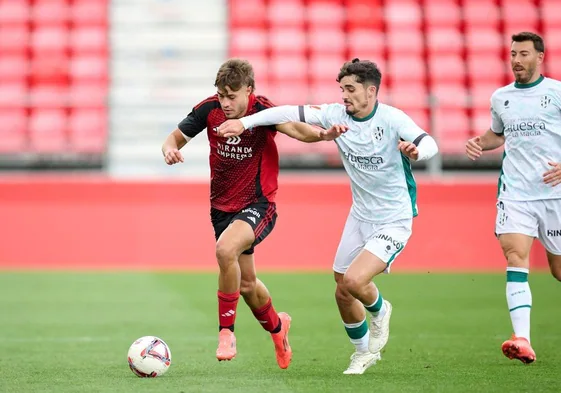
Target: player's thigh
(363, 268)
(235, 239)
(549, 231)
(351, 243)
(389, 241)
(516, 217)
(261, 217)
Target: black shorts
(261, 216)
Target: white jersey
(382, 184)
(530, 118)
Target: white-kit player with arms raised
(526, 118)
(376, 152)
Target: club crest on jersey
(378, 134)
(545, 101)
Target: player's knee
(342, 295)
(353, 284)
(247, 286)
(515, 258)
(225, 253)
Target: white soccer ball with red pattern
(149, 357)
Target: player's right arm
(310, 114)
(492, 139)
(188, 128)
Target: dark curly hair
(365, 71)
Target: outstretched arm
(308, 133)
(277, 115)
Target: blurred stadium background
(99, 83)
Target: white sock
(358, 334)
(519, 300)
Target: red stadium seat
(48, 96)
(551, 13)
(50, 39)
(404, 68)
(327, 92)
(449, 95)
(446, 68)
(288, 68)
(13, 94)
(50, 12)
(442, 40)
(325, 13)
(49, 68)
(369, 41)
(520, 15)
(405, 40)
(553, 66)
(401, 14)
(365, 14)
(325, 67)
(552, 42)
(452, 129)
(247, 13)
(484, 40)
(14, 11)
(13, 125)
(442, 13)
(480, 95)
(481, 120)
(13, 39)
(288, 93)
(88, 95)
(481, 14)
(47, 130)
(248, 40)
(408, 95)
(487, 68)
(88, 12)
(88, 130)
(89, 39)
(336, 39)
(89, 67)
(14, 68)
(291, 40)
(286, 13)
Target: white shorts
(541, 219)
(386, 241)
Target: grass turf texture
(70, 332)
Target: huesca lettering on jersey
(397, 244)
(233, 151)
(367, 163)
(524, 127)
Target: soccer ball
(149, 357)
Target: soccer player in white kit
(526, 118)
(376, 151)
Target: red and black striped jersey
(243, 169)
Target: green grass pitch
(70, 332)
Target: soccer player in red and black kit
(244, 181)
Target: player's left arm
(553, 175)
(310, 133)
(415, 143)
